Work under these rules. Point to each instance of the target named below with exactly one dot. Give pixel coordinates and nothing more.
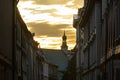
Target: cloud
(48, 18)
(50, 2)
(49, 42)
(47, 29)
(50, 36)
(59, 14)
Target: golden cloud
(48, 19)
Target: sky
(48, 19)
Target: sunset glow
(48, 20)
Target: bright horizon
(48, 20)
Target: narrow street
(60, 40)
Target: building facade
(26, 49)
(70, 73)
(110, 50)
(20, 56)
(97, 25)
(31, 63)
(58, 58)
(7, 25)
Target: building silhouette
(59, 57)
(64, 46)
(20, 56)
(98, 41)
(7, 26)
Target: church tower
(64, 46)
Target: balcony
(75, 20)
(117, 50)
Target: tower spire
(64, 46)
